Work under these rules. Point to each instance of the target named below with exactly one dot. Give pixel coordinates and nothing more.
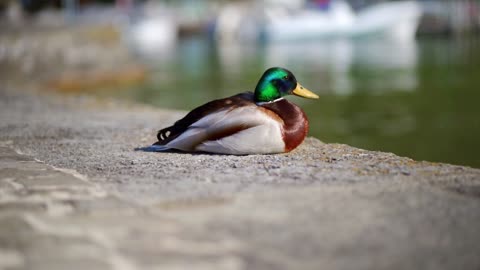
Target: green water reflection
(418, 99)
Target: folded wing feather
(241, 130)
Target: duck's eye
(285, 77)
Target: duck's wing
(169, 134)
(248, 129)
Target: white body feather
(263, 136)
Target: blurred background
(395, 76)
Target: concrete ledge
(323, 206)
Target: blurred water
(417, 99)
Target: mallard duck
(262, 122)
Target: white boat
(271, 22)
(151, 30)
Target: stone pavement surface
(75, 195)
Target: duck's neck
(261, 103)
(295, 126)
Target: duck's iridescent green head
(278, 82)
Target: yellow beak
(304, 92)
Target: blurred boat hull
(394, 20)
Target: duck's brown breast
(295, 122)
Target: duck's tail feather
(153, 148)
